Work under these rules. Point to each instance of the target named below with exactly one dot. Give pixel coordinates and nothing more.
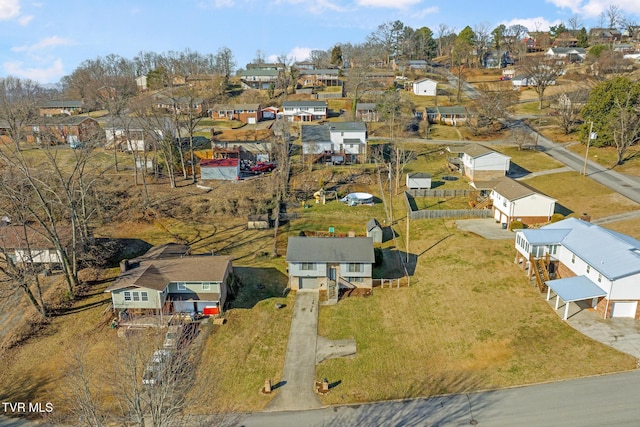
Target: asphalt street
(595, 401)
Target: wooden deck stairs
(540, 268)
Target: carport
(571, 289)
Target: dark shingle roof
(326, 249)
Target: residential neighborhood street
(603, 400)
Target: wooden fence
(439, 193)
(415, 213)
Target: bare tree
(568, 106)
(83, 395)
(522, 137)
(490, 106)
(626, 127)
(282, 149)
(542, 72)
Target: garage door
(308, 283)
(624, 309)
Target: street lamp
(592, 135)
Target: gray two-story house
(169, 279)
(328, 264)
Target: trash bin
(504, 225)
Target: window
(206, 286)
(182, 286)
(356, 279)
(599, 277)
(144, 296)
(588, 268)
(136, 296)
(355, 268)
(553, 249)
(307, 266)
(127, 295)
(573, 258)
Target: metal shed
(221, 169)
(419, 180)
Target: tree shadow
(278, 385)
(257, 284)
(444, 408)
(563, 210)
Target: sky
(44, 40)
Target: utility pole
(586, 154)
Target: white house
(479, 163)
(588, 263)
(28, 245)
(136, 135)
(304, 111)
(570, 54)
(330, 263)
(425, 87)
(515, 201)
(343, 141)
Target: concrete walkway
(298, 375)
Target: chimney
(585, 217)
(124, 265)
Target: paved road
(299, 370)
(595, 401)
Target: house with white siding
(425, 87)
(304, 111)
(169, 279)
(586, 263)
(515, 201)
(329, 264)
(339, 141)
(479, 163)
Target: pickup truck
(262, 167)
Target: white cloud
(532, 24)
(43, 44)
(49, 74)
(593, 8)
(425, 12)
(24, 20)
(9, 9)
(392, 4)
(294, 55)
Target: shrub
(557, 217)
(516, 225)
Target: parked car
(172, 337)
(262, 167)
(156, 368)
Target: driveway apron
(298, 375)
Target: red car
(262, 167)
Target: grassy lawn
(457, 330)
(531, 160)
(579, 195)
(608, 156)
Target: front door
(332, 272)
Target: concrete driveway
(299, 371)
(619, 333)
(485, 227)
